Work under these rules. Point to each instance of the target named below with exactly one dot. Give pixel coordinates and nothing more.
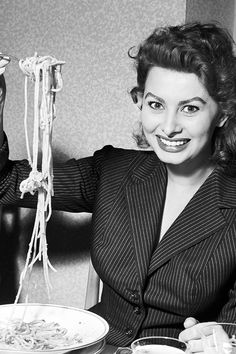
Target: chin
(170, 158)
(172, 162)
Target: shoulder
(121, 158)
(110, 150)
(226, 186)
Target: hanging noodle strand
(45, 73)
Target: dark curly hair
(206, 50)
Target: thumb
(190, 322)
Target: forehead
(178, 85)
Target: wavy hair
(206, 50)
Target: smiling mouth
(173, 143)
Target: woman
(163, 218)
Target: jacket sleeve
(75, 182)
(228, 311)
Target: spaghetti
(35, 335)
(45, 72)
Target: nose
(170, 124)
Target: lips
(172, 144)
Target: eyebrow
(196, 98)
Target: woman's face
(178, 117)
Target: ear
(222, 121)
(139, 98)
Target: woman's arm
(71, 179)
(4, 60)
(75, 184)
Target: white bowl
(91, 328)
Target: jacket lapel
(201, 218)
(145, 197)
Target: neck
(188, 177)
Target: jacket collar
(200, 219)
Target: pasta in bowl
(50, 329)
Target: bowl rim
(59, 349)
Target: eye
(190, 109)
(156, 105)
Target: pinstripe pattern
(149, 287)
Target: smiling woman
(211, 66)
(163, 235)
(179, 118)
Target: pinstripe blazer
(150, 287)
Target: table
(109, 349)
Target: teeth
(173, 143)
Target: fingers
(195, 346)
(195, 331)
(4, 60)
(189, 322)
(200, 336)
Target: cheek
(149, 123)
(201, 130)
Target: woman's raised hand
(4, 60)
